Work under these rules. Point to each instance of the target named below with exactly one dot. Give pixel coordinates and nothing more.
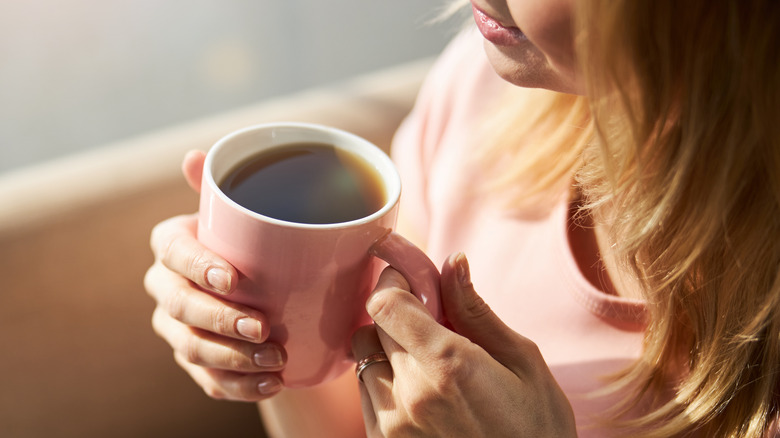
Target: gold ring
(369, 360)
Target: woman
(625, 238)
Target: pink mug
(310, 280)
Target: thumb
(192, 168)
(471, 317)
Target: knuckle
(239, 387)
(149, 279)
(529, 348)
(379, 305)
(214, 392)
(156, 236)
(532, 360)
(477, 307)
(247, 389)
(175, 303)
(384, 303)
(161, 237)
(190, 350)
(196, 265)
(222, 321)
(424, 405)
(393, 278)
(167, 248)
(165, 232)
(453, 366)
(157, 322)
(533, 349)
(238, 361)
(247, 394)
(185, 257)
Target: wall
(77, 74)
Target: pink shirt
(522, 263)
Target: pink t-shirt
(521, 262)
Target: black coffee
(311, 183)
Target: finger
(227, 385)
(377, 379)
(192, 168)
(174, 243)
(403, 317)
(209, 350)
(471, 317)
(369, 415)
(193, 307)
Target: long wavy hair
(678, 139)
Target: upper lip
(493, 14)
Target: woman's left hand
(482, 380)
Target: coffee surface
(311, 183)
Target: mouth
(495, 32)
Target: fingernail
(218, 279)
(462, 269)
(268, 357)
(249, 328)
(269, 385)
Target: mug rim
(391, 181)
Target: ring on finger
(369, 360)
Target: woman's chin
(524, 66)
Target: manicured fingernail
(462, 269)
(268, 357)
(218, 279)
(249, 328)
(269, 385)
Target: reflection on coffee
(311, 183)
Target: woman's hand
(483, 381)
(220, 344)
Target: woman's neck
(596, 255)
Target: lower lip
(494, 32)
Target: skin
(474, 378)
(546, 59)
(435, 374)
(481, 379)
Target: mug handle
(415, 266)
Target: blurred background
(80, 73)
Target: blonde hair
(679, 138)
(553, 129)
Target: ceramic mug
(310, 280)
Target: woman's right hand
(221, 345)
